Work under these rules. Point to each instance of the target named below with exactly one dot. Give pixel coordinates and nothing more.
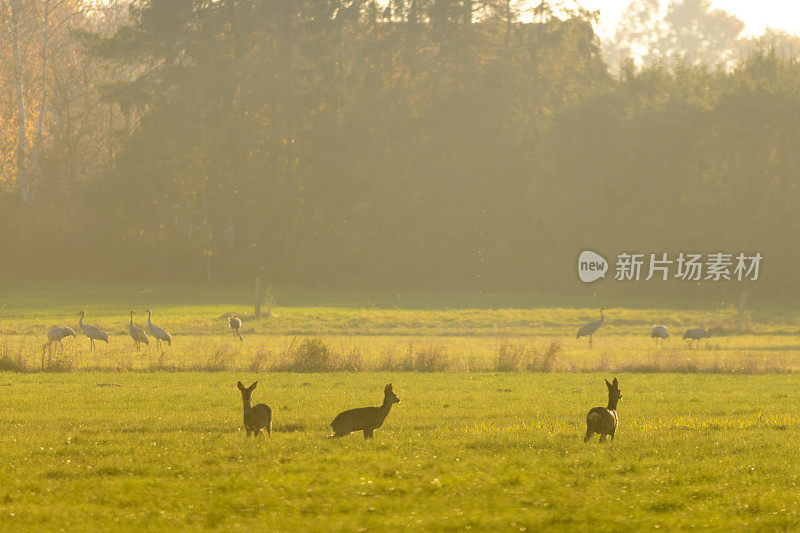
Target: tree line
(414, 143)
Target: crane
(695, 334)
(157, 332)
(659, 332)
(235, 323)
(137, 334)
(93, 332)
(591, 328)
(55, 335)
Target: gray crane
(157, 332)
(55, 335)
(235, 323)
(93, 332)
(591, 328)
(659, 332)
(137, 334)
(695, 334)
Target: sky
(756, 15)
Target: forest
(448, 144)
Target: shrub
(61, 364)
(12, 363)
(220, 360)
(546, 361)
(510, 358)
(352, 361)
(426, 358)
(514, 358)
(312, 355)
(260, 361)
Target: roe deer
(366, 419)
(603, 420)
(258, 417)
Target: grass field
(461, 451)
(120, 440)
(370, 333)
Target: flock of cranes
(658, 332)
(93, 333)
(139, 336)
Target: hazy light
(757, 16)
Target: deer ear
(614, 382)
(239, 384)
(608, 384)
(388, 388)
(253, 386)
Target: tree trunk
(508, 23)
(43, 95)
(257, 298)
(22, 140)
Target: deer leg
(613, 430)
(248, 431)
(589, 434)
(368, 433)
(602, 438)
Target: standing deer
(366, 419)
(603, 420)
(257, 417)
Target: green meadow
(488, 435)
(485, 451)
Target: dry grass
(737, 324)
(528, 357)
(730, 354)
